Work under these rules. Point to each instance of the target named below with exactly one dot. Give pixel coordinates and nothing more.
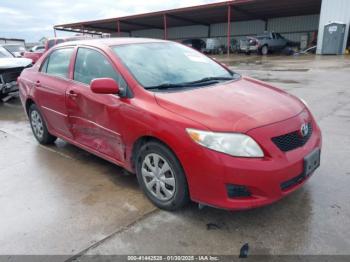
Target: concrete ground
(62, 200)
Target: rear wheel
(161, 176)
(39, 127)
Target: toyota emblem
(304, 130)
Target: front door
(95, 118)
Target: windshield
(4, 53)
(166, 63)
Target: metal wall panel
(333, 11)
(122, 34)
(239, 28)
(291, 27)
(307, 23)
(153, 33)
(196, 31)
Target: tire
(264, 50)
(39, 127)
(151, 159)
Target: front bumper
(212, 172)
(249, 48)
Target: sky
(33, 19)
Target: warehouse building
(297, 20)
(4, 40)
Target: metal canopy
(199, 15)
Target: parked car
(10, 69)
(15, 49)
(195, 43)
(189, 127)
(37, 53)
(38, 48)
(263, 44)
(214, 46)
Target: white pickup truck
(263, 44)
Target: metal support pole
(54, 32)
(118, 28)
(165, 27)
(228, 29)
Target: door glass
(58, 62)
(91, 64)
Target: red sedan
(189, 127)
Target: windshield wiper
(209, 79)
(166, 86)
(206, 80)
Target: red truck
(34, 56)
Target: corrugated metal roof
(242, 10)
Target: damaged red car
(186, 125)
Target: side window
(57, 64)
(91, 64)
(44, 65)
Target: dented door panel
(89, 117)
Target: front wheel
(39, 127)
(161, 176)
(265, 50)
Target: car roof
(112, 41)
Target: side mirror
(104, 86)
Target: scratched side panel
(95, 121)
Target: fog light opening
(236, 191)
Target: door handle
(71, 93)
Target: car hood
(7, 63)
(233, 106)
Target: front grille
(11, 75)
(292, 140)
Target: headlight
(229, 143)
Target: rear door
(50, 86)
(95, 118)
